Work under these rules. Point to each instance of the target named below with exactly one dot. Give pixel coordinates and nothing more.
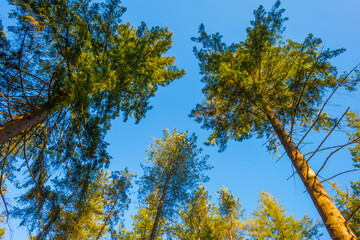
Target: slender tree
(143, 222)
(231, 213)
(175, 170)
(270, 221)
(266, 85)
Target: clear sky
(245, 168)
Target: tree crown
(261, 76)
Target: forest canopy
(70, 71)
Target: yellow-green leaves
(231, 212)
(271, 221)
(33, 21)
(197, 218)
(175, 168)
(348, 200)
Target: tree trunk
(158, 214)
(199, 230)
(330, 214)
(14, 127)
(159, 208)
(230, 235)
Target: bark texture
(14, 127)
(333, 219)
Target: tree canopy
(69, 68)
(264, 73)
(202, 219)
(270, 221)
(198, 218)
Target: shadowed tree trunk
(160, 207)
(14, 127)
(20, 123)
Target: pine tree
(262, 87)
(77, 56)
(90, 212)
(143, 222)
(175, 170)
(270, 221)
(198, 219)
(231, 213)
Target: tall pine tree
(262, 87)
(175, 170)
(231, 212)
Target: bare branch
(328, 134)
(327, 100)
(353, 170)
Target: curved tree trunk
(330, 214)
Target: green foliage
(143, 221)
(270, 221)
(87, 51)
(198, 219)
(89, 212)
(175, 170)
(231, 213)
(175, 165)
(80, 64)
(263, 75)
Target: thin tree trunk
(158, 213)
(330, 214)
(230, 234)
(14, 127)
(108, 216)
(159, 208)
(199, 230)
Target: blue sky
(245, 168)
